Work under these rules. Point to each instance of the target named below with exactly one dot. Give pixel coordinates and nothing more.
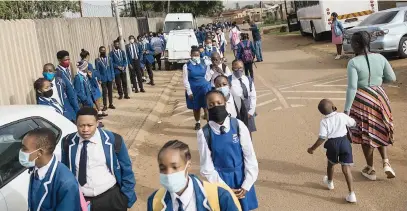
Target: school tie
(36, 176)
(244, 88)
(180, 208)
(222, 129)
(135, 56)
(83, 163)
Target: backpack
(118, 141)
(223, 67)
(235, 38)
(250, 82)
(247, 55)
(207, 131)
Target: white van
(180, 37)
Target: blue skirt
(234, 178)
(199, 93)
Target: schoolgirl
(44, 92)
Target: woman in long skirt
(368, 104)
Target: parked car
(388, 30)
(15, 122)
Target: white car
(15, 122)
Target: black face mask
(48, 93)
(103, 54)
(218, 114)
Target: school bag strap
(224, 67)
(118, 141)
(158, 197)
(250, 82)
(207, 131)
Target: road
(296, 74)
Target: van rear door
(179, 45)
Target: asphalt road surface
(289, 83)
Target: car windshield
(177, 25)
(379, 18)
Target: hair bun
(82, 50)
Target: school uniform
(83, 89)
(51, 102)
(221, 40)
(119, 60)
(158, 46)
(53, 187)
(198, 196)
(229, 158)
(67, 92)
(148, 57)
(107, 183)
(236, 108)
(215, 74)
(338, 147)
(244, 88)
(248, 65)
(55, 92)
(104, 66)
(96, 93)
(196, 82)
(134, 54)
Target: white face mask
(225, 90)
(196, 59)
(174, 182)
(24, 158)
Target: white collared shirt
(237, 91)
(230, 107)
(334, 125)
(185, 77)
(207, 168)
(215, 73)
(43, 170)
(98, 178)
(187, 198)
(55, 93)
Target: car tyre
(403, 48)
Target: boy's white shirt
(187, 86)
(207, 168)
(215, 73)
(334, 125)
(237, 91)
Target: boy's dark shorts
(339, 150)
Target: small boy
(333, 131)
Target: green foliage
(36, 9)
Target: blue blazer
(118, 60)
(50, 102)
(67, 93)
(148, 57)
(239, 53)
(139, 52)
(84, 90)
(118, 164)
(207, 53)
(96, 93)
(105, 70)
(59, 190)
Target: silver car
(388, 30)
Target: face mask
(225, 90)
(209, 46)
(238, 73)
(196, 59)
(48, 93)
(49, 76)
(218, 113)
(65, 63)
(103, 54)
(24, 159)
(132, 41)
(174, 182)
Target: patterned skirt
(372, 113)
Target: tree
(237, 5)
(36, 9)
(249, 6)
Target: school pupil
(104, 66)
(134, 54)
(119, 64)
(183, 191)
(82, 84)
(64, 73)
(234, 36)
(158, 46)
(209, 49)
(245, 53)
(333, 131)
(234, 105)
(218, 67)
(243, 87)
(43, 90)
(196, 83)
(148, 56)
(226, 152)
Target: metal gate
(142, 24)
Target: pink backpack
(235, 38)
(247, 55)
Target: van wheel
(302, 32)
(403, 48)
(315, 35)
(167, 65)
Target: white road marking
(180, 113)
(331, 85)
(296, 105)
(295, 91)
(303, 83)
(288, 87)
(393, 86)
(182, 106)
(188, 119)
(328, 82)
(264, 90)
(262, 95)
(278, 108)
(312, 98)
(266, 102)
(274, 90)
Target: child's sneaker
(330, 184)
(351, 198)
(369, 173)
(388, 170)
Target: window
(302, 4)
(405, 17)
(45, 124)
(379, 18)
(177, 25)
(11, 136)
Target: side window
(405, 16)
(46, 124)
(10, 144)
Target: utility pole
(81, 7)
(261, 12)
(168, 7)
(119, 27)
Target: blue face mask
(49, 76)
(225, 90)
(238, 73)
(174, 182)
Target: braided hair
(361, 44)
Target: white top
(185, 77)
(187, 198)
(43, 170)
(250, 161)
(237, 91)
(234, 30)
(215, 73)
(55, 93)
(230, 107)
(98, 178)
(334, 125)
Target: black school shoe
(112, 107)
(127, 97)
(142, 90)
(104, 108)
(197, 126)
(120, 97)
